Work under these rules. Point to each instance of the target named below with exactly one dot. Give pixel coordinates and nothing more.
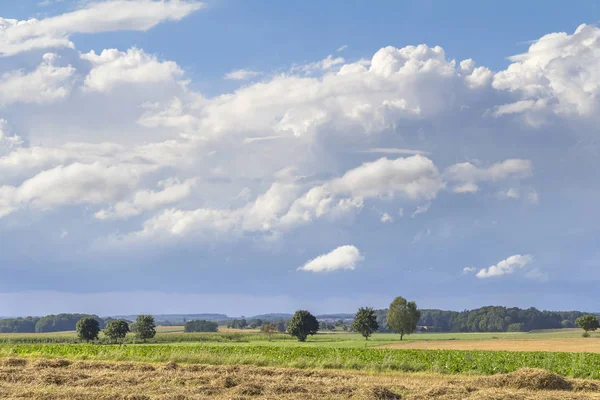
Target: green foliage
(116, 329)
(588, 323)
(578, 365)
(365, 322)
(565, 323)
(403, 316)
(268, 330)
(303, 324)
(201, 326)
(237, 324)
(518, 327)
(144, 327)
(87, 329)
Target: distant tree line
(49, 323)
(280, 325)
(201, 326)
(489, 319)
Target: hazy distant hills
(222, 317)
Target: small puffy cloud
(46, 84)
(532, 197)
(112, 68)
(469, 270)
(505, 267)
(107, 16)
(511, 193)
(342, 258)
(342, 48)
(241, 74)
(386, 218)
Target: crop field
(242, 364)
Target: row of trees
(402, 317)
(489, 319)
(88, 328)
(49, 323)
(201, 326)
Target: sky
(179, 156)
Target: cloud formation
(96, 17)
(505, 267)
(341, 258)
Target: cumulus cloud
(342, 258)
(505, 267)
(241, 74)
(469, 270)
(70, 185)
(107, 16)
(46, 84)
(112, 68)
(556, 74)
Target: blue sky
(251, 157)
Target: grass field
(423, 366)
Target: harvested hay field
(94, 380)
(569, 345)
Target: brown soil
(574, 345)
(94, 380)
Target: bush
(516, 328)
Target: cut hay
(530, 379)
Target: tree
(87, 329)
(565, 323)
(116, 329)
(303, 324)
(403, 316)
(268, 330)
(365, 322)
(144, 327)
(588, 323)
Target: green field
(584, 365)
(174, 334)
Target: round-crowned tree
(116, 329)
(303, 324)
(88, 329)
(365, 322)
(403, 316)
(587, 323)
(144, 327)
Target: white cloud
(558, 73)
(533, 197)
(386, 218)
(46, 84)
(71, 185)
(505, 267)
(323, 65)
(469, 270)
(468, 174)
(342, 48)
(147, 200)
(342, 258)
(241, 74)
(113, 68)
(115, 15)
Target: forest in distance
(484, 319)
